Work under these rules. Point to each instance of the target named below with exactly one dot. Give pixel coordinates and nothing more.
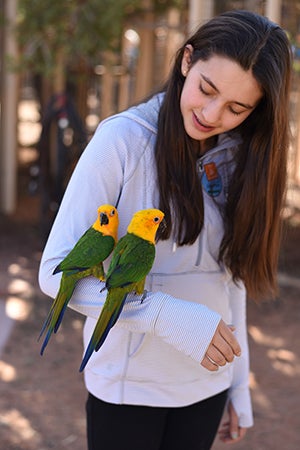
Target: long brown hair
(252, 222)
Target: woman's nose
(211, 112)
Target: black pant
(127, 427)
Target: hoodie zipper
(200, 163)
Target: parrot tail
(108, 317)
(51, 325)
(56, 313)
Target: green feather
(131, 261)
(85, 259)
(91, 249)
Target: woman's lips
(200, 125)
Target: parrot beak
(161, 228)
(103, 219)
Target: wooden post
(145, 65)
(199, 11)
(107, 86)
(9, 91)
(59, 75)
(296, 163)
(174, 40)
(273, 10)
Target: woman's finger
(218, 357)
(209, 364)
(225, 341)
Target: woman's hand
(222, 349)
(230, 431)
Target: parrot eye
(156, 219)
(113, 212)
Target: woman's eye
(236, 113)
(203, 90)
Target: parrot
(85, 259)
(131, 261)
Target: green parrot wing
(131, 261)
(91, 249)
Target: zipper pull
(200, 165)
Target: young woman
(210, 151)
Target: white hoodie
(153, 353)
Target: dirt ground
(42, 399)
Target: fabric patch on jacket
(211, 179)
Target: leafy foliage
(78, 28)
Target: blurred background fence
(64, 66)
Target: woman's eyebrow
(244, 105)
(210, 82)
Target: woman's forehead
(228, 78)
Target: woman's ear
(186, 59)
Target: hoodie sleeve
(93, 183)
(187, 326)
(239, 392)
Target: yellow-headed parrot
(85, 259)
(131, 261)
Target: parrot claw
(144, 295)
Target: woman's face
(217, 96)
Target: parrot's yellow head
(107, 221)
(145, 223)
